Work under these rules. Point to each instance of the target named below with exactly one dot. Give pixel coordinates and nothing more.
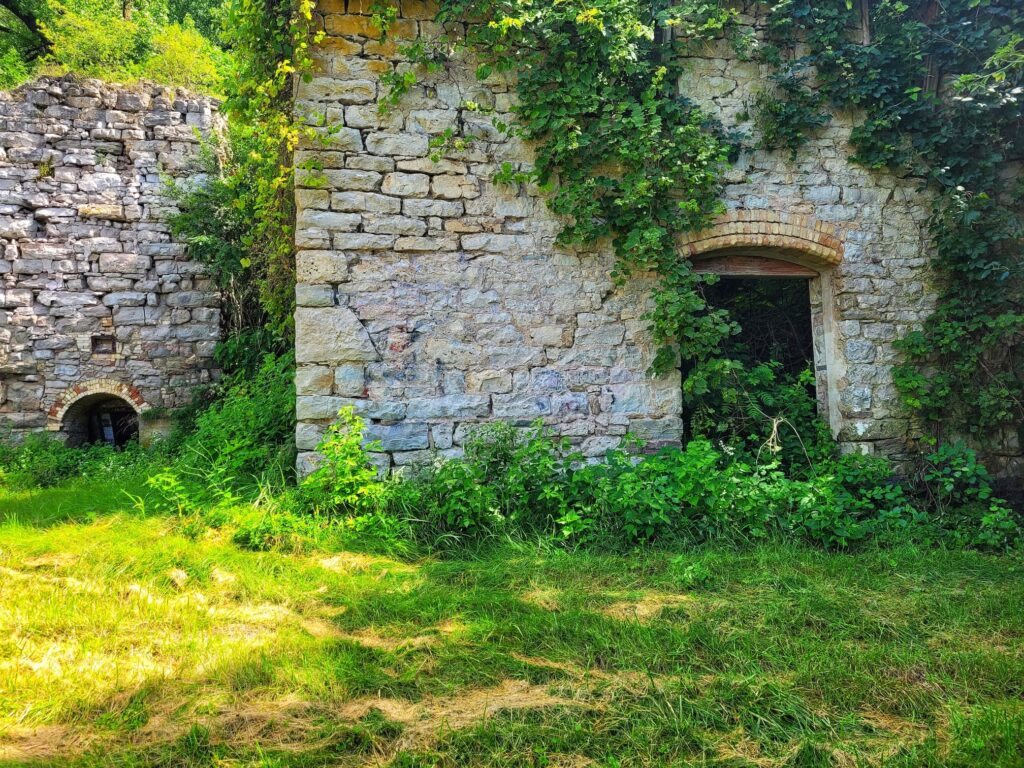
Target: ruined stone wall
(95, 296)
(431, 299)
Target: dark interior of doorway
(774, 315)
(101, 419)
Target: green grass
(124, 642)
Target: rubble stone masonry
(431, 299)
(95, 296)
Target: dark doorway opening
(101, 418)
(774, 314)
(775, 346)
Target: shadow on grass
(787, 657)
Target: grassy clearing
(123, 642)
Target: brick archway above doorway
(64, 402)
(815, 244)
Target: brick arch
(67, 399)
(759, 232)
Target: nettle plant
(940, 89)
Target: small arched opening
(99, 411)
(101, 418)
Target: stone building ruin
(431, 299)
(102, 315)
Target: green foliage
(42, 460)
(965, 370)
(243, 438)
(623, 156)
(786, 114)
(524, 482)
(242, 221)
(758, 412)
(13, 68)
(344, 481)
(114, 41)
(181, 55)
(170, 41)
(508, 478)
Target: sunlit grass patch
(125, 642)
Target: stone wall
(431, 299)
(95, 296)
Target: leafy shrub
(97, 38)
(759, 413)
(508, 479)
(42, 460)
(13, 69)
(344, 481)
(244, 438)
(182, 56)
(93, 42)
(960, 488)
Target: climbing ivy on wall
(242, 222)
(939, 86)
(623, 155)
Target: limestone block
(365, 201)
(489, 381)
(363, 241)
(397, 144)
(350, 380)
(307, 295)
(442, 208)
(453, 187)
(393, 225)
(519, 407)
(321, 266)
(331, 221)
(406, 184)
(124, 262)
(448, 406)
(398, 437)
(312, 379)
(308, 436)
(331, 335)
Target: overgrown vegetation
(940, 89)
(170, 42)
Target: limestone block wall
(95, 296)
(431, 299)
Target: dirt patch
(425, 721)
(545, 598)
(355, 563)
(53, 560)
(646, 609)
(42, 742)
(65, 581)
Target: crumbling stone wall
(431, 299)
(95, 296)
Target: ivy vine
(622, 153)
(940, 88)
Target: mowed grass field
(124, 642)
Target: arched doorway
(101, 418)
(99, 411)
